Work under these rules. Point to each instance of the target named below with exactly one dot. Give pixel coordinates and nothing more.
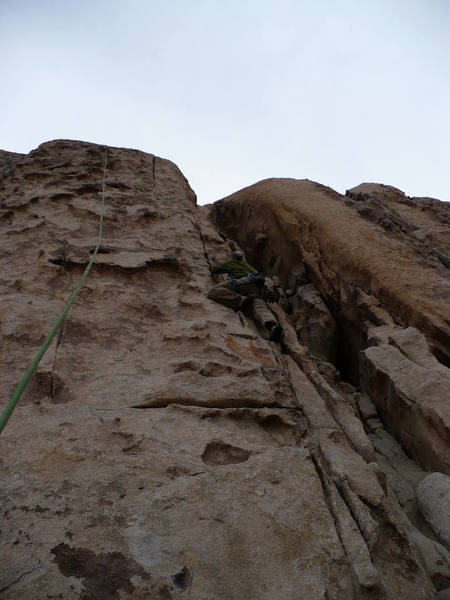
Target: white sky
(234, 91)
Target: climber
(246, 289)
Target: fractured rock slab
(433, 495)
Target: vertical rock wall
(165, 448)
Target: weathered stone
(413, 403)
(434, 556)
(314, 325)
(433, 495)
(402, 473)
(379, 334)
(422, 222)
(366, 407)
(311, 224)
(164, 448)
(413, 345)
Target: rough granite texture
(165, 449)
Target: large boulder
(410, 388)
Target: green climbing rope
(7, 412)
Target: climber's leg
(232, 293)
(224, 295)
(263, 315)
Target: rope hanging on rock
(8, 410)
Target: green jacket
(235, 268)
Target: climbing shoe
(247, 302)
(275, 334)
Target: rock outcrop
(165, 448)
(376, 284)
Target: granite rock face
(433, 494)
(376, 282)
(165, 448)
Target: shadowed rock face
(165, 449)
(345, 254)
(376, 273)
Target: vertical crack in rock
(365, 577)
(198, 228)
(20, 578)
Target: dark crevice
(203, 241)
(349, 342)
(440, 356)
(102, 250)
(183, 578)
(167, 264)
(349, 345)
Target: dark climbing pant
(232, 293)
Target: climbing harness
(7, 412)
(234, 285)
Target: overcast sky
(234, 91)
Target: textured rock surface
(376, 282)
(165, 449)
(433, 494)
(358, 263)
(313, 323)
(420, 222)
(413, 399)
